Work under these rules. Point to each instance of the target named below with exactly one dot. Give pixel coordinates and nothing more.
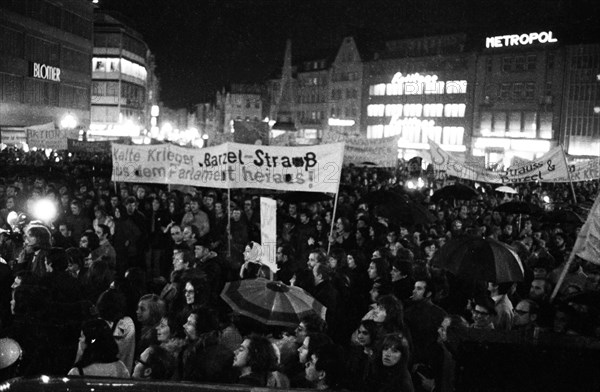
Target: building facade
(518, 96)
(345, 93)
(120, 80)
(420, 89)
(580, 125)
(312, 92)
(45, 57)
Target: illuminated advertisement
(502, 41)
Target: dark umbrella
(384, 196)
(407, 212)
(481, 259)
(564, 216)
(271, 303)
(454, 192)
(303, 197)
(520, 207)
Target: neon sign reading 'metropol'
(519, 40)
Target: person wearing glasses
(526, 313)
(483, 313)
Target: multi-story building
(420, 89)
(241, 103)
(312, 92)
(345, 92)
(45, 57)
(580, 125)
(120, 77)
(518, 96)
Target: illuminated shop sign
(43, 71)
(336, 122)
(417, 84)
(519, 39)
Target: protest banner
(232, 165)
(381, 152)
(581, 171)
(268, 232)
(99, 147)
(547, 168)
(46, 136)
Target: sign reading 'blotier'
(46, 72)
(519, 39)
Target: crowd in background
(126, 281)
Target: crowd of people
(126, 280)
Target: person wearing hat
(10, 358)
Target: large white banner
(232, 165)
(268, 232)
(547, 168)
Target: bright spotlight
(68, 122)
(546, 199)
(44, 210)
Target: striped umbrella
(269, 302)
(480, 258)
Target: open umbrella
(271, 303)
(454, 192)
(519, 207)
(303, 197)
(564, 217)
(480, 259)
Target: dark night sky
(201, 45)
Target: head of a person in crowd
(400, 269)
(183, 259)
(392, 236)
(325, 367)
(86, 253)
(37, 237)
(195, 204)
(540, 290)
(200, 321)
(304, 217)
(219, 209)
(337, 259)
(389, 312)
(99, 212)
(154, 363)
(155, 204)
(355, 259)
(342, 225)
(394, 351)
(255, 355)
(292, 209)
(96, 343)
(140, 193)
(151, 309)
(75, 261)
(362, 234)
(366, 334)
(10, 203)
(169, 328)
(191, 233)
(379, 269)
(318, 256)
(76, 207)
(195, 291)
(56, 260)
(379, 289)
(103, 233)
(124, 192)
(428, 247)
(89, 240)
(284, 254)
(541, 267)
(236, 213)
(525, 314)
(176, 234)
(310, 323)
(452, 327)
(131, 205)
(312, 342)
(65, 229)
(483, 311)
(322, 273)
(115, 201)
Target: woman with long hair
(389, 372)
(99, 352)
(170, 335)
(254, 361)
(360, 356)
(151, 309)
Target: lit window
(499, 122)
(413, 110)
(433, 110)
(456, 87)
(453, 135)
(394, 89)
(393, 110)
(485, 124)
(377, 89)
(514, 122)
(546, 125)
(454, 110)
(374, 131)
(375, 110)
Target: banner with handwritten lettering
(96, 147)
(382, 152)
(46, 136)
(547, 168)
(232, 165)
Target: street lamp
(68, 121)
